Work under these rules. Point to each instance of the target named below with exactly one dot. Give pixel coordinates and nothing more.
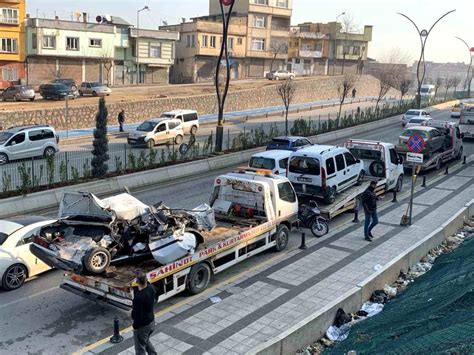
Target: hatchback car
(274, 160)
(435, 140)
(70, 83)
(27, 141)
(280, 75)
(17, 263)
(288, 143)
(414, 114)
(419, 121)
(18, 93)
(157, 130)
(56, 91)
(94, 89)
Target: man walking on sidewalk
(369, 202)
(121, 120)
(143, 316)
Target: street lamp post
(468, 77)
(222, 96)
(423, 38)
(137, 47)
(335, 45)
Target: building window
(49, 42)
(347, 49)
(188, 41)
(240, 41)
(282, 3)
(72, 43)
(318, 47)
(260, 2)
(356, 50)
(230, 43)
(34, 41)
(305, 29)
(306, 47)
(155, 51)
(259, 21)
(258, 44)
(9, 74)
(8, 45)
(213, 41)
(193, 41)
(95, 42)
(9, 16)
(205, 41)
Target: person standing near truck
(143, 316)
(369, 202)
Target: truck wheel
(97, 260)
(331, 196)
(399, 185)
(194, 130)
(198, 278)
(281, 237)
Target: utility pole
(468, 77)
(137, 47)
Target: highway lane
(42, 318)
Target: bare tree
(346, 84)
(275, 49)
(348, 26)
(404, 86)
(448, 84)
(438, 82)
(107, 64)
(286, 91)
(456, 82)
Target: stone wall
(319, 88)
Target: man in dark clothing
(143, 316)
(354, 91)
(121, 119)
(369, 202)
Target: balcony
(308, 35)
(311, 54)
(5, 20)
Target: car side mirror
(358, 161)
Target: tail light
(323, 177)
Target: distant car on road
(280, 75)
(70, 83)
(435, 140)
(94, 89)
(456, 110)
(412, 114)
(17, 263)
(288, 143)
(419, 121)
(18, 93)
(56, 91)
(157, 130)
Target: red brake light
(323, 177)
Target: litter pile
(440, 302)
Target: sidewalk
(276, 299)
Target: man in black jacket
(369, 202)
(143, 316)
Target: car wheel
(97, 260)
(360, 178)
(438, 164)
(50, 151)
(198, 278)
(281, 238)
(292, 77)
(32, 99)
(178, 139)
(151, 144)
(94, 93)
(331, 196)
(3, 158)
(81, 93)
(194, 130)
(399, 185)
(16, 98)
(277, 78)
(14, 277)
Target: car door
(35, 141)
(161, 133)
(24, 255)
(9, 93)
(352, 168)
(281, 167)
(17, 146)
(341, 179)
(437, 140)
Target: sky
(391, 31)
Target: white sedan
(17, 263)
(419, 121)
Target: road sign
(416, 143)
(415, 158)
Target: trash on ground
(341, 318)
(338, 333)
(216, 299)
(390, 291)
(372, 308)
(377, 267)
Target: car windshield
(424, 90)
(4, 136)
(282, 143)
(412, 113)
(94, 85)
(417, 120)
(304, 165)
(262, 163)
(167, 115)
(409, 132)
(147, 126)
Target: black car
(70, 83)
(55, 91)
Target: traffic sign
(415, 158)
(416, 143)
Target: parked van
(323, 171)
(157, 130)
(189, 118)
(274, 160)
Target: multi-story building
(309, 49)
(12, 43)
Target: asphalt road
(41, 318)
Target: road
(41, 318)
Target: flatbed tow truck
(466, 122)
(254, 212)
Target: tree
(286, 91)
(456, 81)
(448, 84)
(348, 26)
(275, 49)
(404, 86)
(438, 82)
(100, 143)
(346, 84)
(107, 64)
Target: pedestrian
(121, 119)
(369, 202)
(143, 316)
(354, 91)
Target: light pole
(137, 47)
(221, 97)
(335, 44)
(423, 38)
(468, 77)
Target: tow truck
(254, 211)
(466, 122)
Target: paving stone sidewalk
(266, 302)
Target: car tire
(97, 260)
(81, 93)
(281, 238)
(438, 164)
(14, 277)
(178, 139)
(360, 178)
(292, 77)
(331, 196)
(16, 98)
(398, 187)
(277, 78)
(94, 93)
(49, 151)
(32, 99)
(3, 158)
(151, 143)
(194, 130)
(198, 278)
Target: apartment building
(12, 43)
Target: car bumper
(136, 141)
(51, 259)
(310, 190)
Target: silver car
(414, 114)
(18, 93)
(280, 75)
(94, 89)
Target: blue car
(288, 143)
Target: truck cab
(380, 161)
(466, 122)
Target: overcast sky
(390, 30)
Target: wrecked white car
(92, 234)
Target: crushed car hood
(83, 204)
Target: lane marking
(28, 297)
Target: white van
(274, 160)
(157, 130)
(189, 118)
(323, 171)
(428, 92)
